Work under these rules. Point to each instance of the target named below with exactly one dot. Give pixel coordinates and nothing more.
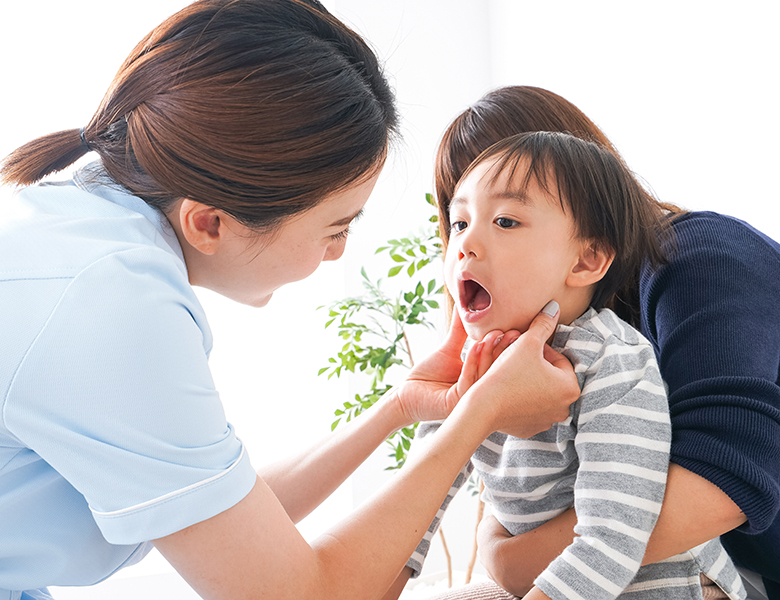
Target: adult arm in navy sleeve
(713, 315)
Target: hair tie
(84, 141)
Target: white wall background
(688, 91)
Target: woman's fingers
(555, 358)
(504, 342)
(544, 323)
(456, 336)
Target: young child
(545, 216)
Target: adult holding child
(237, 142)
(712, 315)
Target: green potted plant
(375, 328)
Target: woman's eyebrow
(347, 220)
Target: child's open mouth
(473, 297)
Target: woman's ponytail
(45, 155)
(260, 108)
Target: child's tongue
(480, 301)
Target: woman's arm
(302, 481)
(253, 550)
(693, 511)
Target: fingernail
(498, 340)
(551, 308)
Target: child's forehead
(511, 177)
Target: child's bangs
(522, 162)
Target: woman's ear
(201, 225)
(592, 264)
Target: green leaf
(398, 258)
(322, 370)
(432, 303)
(431, 285)
(410, 270)
(394, 271)
(430, 200)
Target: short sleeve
(116, 395)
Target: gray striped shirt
(608, 460)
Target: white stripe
(648, 386)
(559, 585)
(682, 557)
(533, 495)
(653, 584)
(620, 326)
(613, 553)
(601, 328)
(620, 350)
(527, 518)
(722, 561)
(515, 471)
(593, 575)
(620, 498)
(584, 345)
(522, 445)
(626, 411)
(627, 469)
(130, 509)
(615, 379)
(638, 534)
(622, 438)
(492, 446)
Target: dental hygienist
(236, 143)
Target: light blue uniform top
(111, 430)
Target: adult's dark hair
(260, 108)
(608, 206)
(509, 111)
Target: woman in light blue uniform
(236, 144)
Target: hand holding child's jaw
(530, 384)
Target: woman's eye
(506, 222)
(340, 236)
(458, 226)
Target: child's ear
(592, 264)
(201, 225)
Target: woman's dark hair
(260, 108)
(506, 112)
(608, 206)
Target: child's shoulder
(596, 328)
(599, 341)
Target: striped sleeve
(622, 444)
(418, 558)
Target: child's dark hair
(607, 204)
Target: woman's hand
(435, 385)
(529, 386)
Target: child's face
(508, 255)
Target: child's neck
(574, 305)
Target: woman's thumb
(543, 325)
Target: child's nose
(470, 246)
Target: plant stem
(408, 349)
(480, 513)
(447, 555)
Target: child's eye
(341, 235)
(506, 222)
(458, 226)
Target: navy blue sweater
(713, 316)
